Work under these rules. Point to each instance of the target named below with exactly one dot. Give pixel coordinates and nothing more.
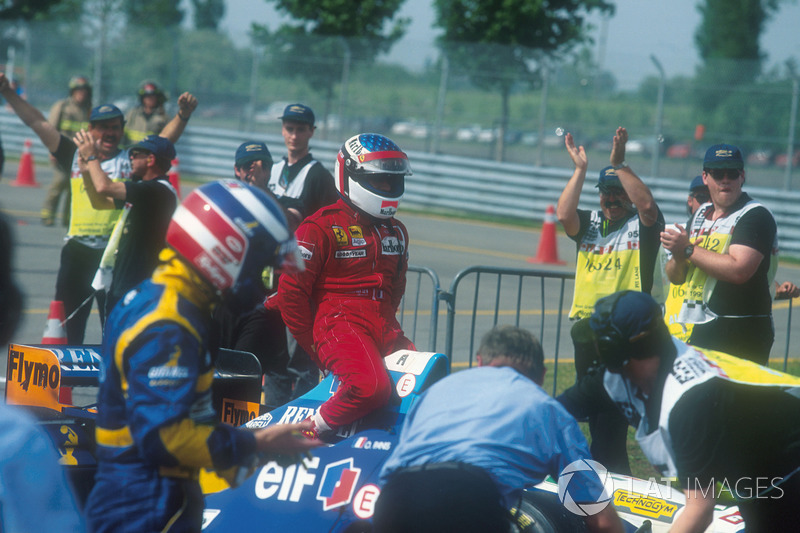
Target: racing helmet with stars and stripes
(229, 232)
(365, 158)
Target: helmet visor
(385, 185)
(390, 162)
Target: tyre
(541, 512)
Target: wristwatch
(688, 251)
(91, 158)
(617, 167)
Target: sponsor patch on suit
(306, 249)
(391, 246)
(341, 235)
(350, 254)
(357, 235)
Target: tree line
(332, 50)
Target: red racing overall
(341, 309)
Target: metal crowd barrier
(413, 306)
(530, 298)
(535, 299)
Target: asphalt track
(445, 245)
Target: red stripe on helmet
(191, 250)
(340, 177)
(386, 154)
(219, 226)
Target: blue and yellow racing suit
(156, 426)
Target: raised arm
(99, 187)
(187, 103)
(637, 191)
(567, 210)
(30, 116)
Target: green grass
(640, 467)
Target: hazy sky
(639, 29)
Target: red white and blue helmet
(229, 232)
(370, 154)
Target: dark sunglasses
(719, 173)
(700, 197)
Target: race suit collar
(180, 276)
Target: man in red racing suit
(341, 309)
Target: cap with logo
(608, 179)
(298, 113)
(723, 156)
(250, 151)
(160, 147)
(105, 112)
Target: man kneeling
(476, 439)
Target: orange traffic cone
(54, 333)
(548, 249)
(25, 173)
(175, 177)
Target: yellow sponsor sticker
(355, 232)
(341, 235)
(642, 505)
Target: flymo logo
(584, 487)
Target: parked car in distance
(759, 158)
(680, 151)
(781, 159)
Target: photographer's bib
(692, 367)
(87, 224)
(606, 264)
(691, 299)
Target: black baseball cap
(723, 156)
(608, 179)
(161, 147)
(298, 113)
(250, 151)
(105, 112)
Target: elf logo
(338, 484)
